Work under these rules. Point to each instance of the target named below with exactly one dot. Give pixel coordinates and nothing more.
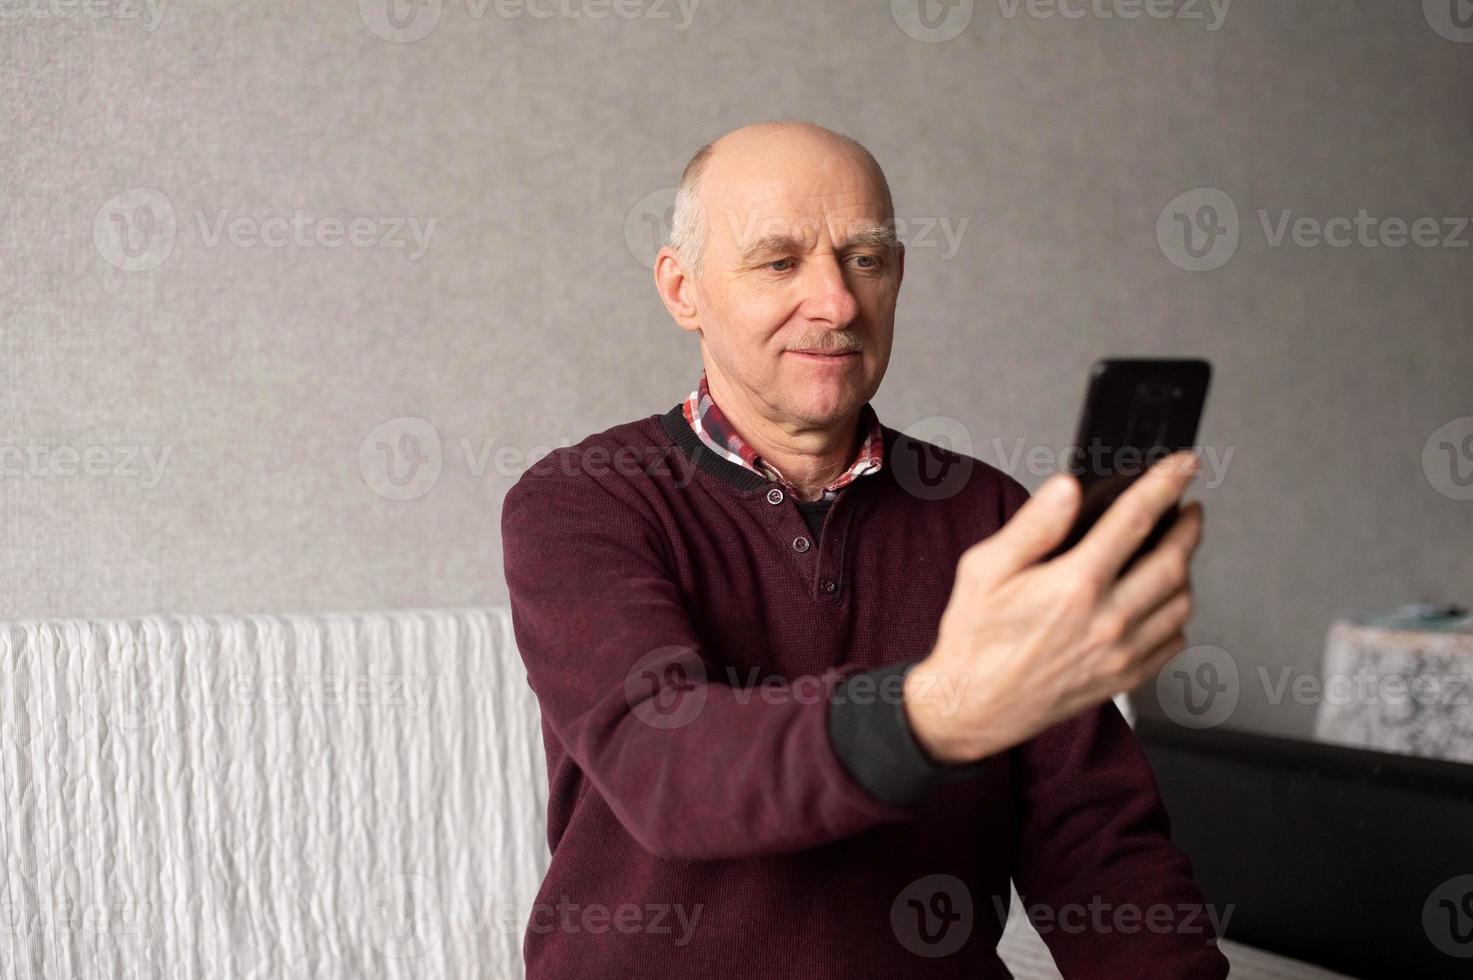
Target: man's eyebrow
(776, 242)
(876, 236)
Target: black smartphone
(1137, 411)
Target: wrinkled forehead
(825, 204)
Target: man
(803, 717)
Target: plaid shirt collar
(718, 434)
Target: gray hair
(688, 222)
(688, 219)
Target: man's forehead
(806, 191)
(802, 211)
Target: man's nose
(828, 296)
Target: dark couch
(1336, 856)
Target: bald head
(752, 151)
(785, 261)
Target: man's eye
(785, 263)
(868, 262)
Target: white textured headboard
(306, 795)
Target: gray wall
(541, 148)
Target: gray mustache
(828, 345)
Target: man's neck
(810, 458)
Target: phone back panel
(1136, 411)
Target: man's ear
(677, 289)
(899, 265)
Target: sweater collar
(709, 438)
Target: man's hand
(1024, 644)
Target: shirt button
(828, 585)
(800, 544)
(774, 496)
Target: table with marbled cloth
(1399, 688)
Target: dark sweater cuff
(873, 739)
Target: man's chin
(825, 414)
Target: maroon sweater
(734, 789)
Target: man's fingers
(1127, 521)
(1163, 572)
(1032, 532)
(1163, 622)
(1154, 661)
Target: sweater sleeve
(1093, 860)
(694, 768)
